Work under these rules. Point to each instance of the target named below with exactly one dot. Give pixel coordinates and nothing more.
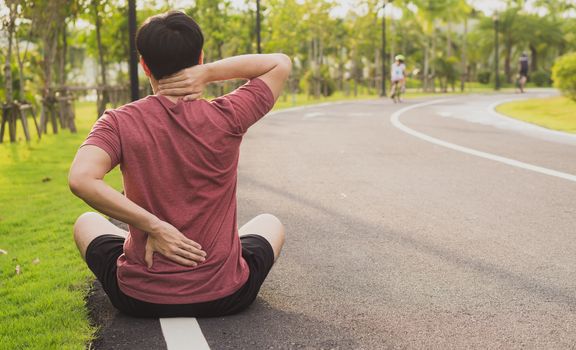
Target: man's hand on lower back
(171, 243)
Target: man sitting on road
(183, 255)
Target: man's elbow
(77, 184)
(284, 63)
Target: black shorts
(103, 251)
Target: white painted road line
(183, 334)
(313, 115)
(395, 119)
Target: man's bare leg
(522, 83)
(269, 227)
(90, 225)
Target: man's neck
(154, 85)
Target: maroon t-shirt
(179, 161)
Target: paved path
(395, 241)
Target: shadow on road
(487, 269)
(264, 327)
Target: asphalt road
(394, 242)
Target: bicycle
(396, 91)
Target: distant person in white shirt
(398, 77)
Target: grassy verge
(42, 306)
(557, 113)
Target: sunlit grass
(557, 113)
(43, 306)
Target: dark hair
(169, 42)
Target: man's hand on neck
(156, 91)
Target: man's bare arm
(273, 69)
(86, 181)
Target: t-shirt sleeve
(249, 103)
(105, 135)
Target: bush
(540, 78)
(564, 75)
(446, 71)
(327, 86)
(503, 79)
(484, 77)
(413, 83)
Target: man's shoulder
(148, 105)
(145, 101)
(128, 106)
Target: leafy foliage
(541, 78)
(484, 76)
(428, 32)
(564, 75)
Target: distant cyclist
(398, 77)
(523, 74)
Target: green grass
(43, 306)
(557, 113)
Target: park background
(64, 62)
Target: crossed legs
(269, 227)
(90, 225)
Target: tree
(564, 75)
(283, 32)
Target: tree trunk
(508, 61)
(20, 71)
(433, 66)
(448, 40)
(356, 74)
(533, 58)
(63, 51)
(341, 69)
(8, 110)
(67, 105)
(220, 56)
(47, 113)
(464, 70)
(317, 78)
(508, 65)
(311, 86)
(426, 65)
(376, 69)
(391, 41)
(49, 56)
(104, 97)
(319, 67)
(8, 65)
